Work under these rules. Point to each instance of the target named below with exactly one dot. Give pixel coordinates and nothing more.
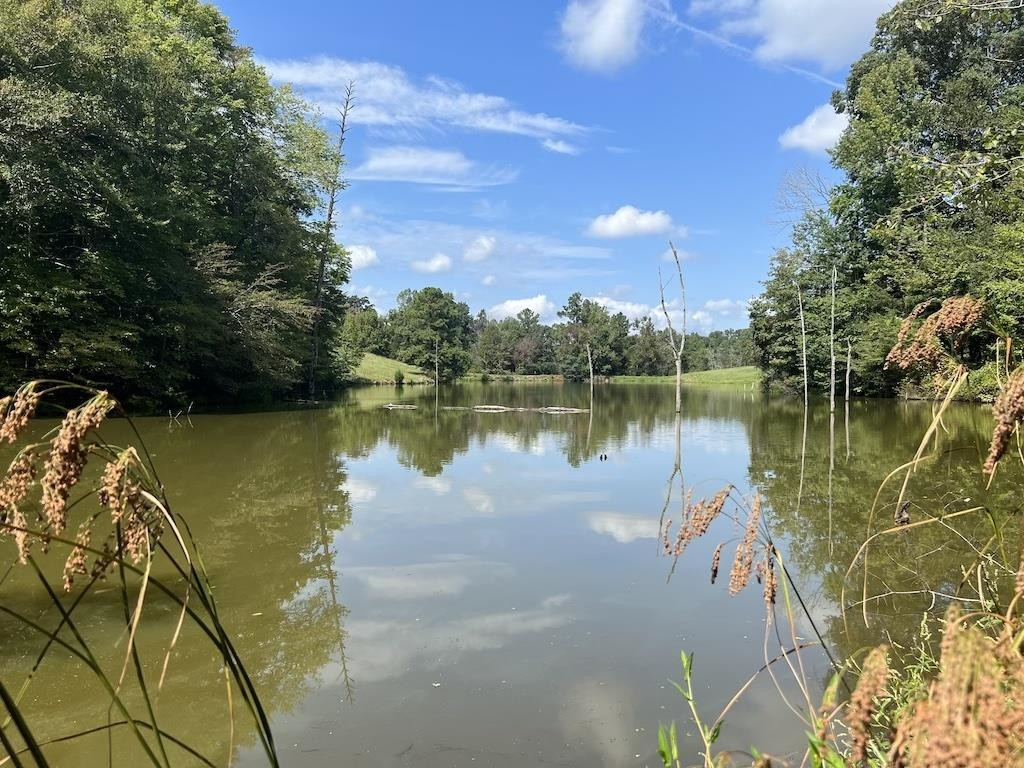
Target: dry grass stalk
(15, 412)
(716, 561)
(974, 713)
(77, 560)
(68, 454)
(743, 562)
(942, 334)
(14, 487)
(1008, 410)
(873, 678)
(771, 583)
(697, 519)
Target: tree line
(167, 222)
(430, 326)
(930, 208)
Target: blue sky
(514, 153)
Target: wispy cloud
(386, 96)
(516, 255)
(423, 165)
(480, 248)
(827, 33)
(560, 147)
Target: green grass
(381, 370)
(745, 376)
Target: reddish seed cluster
(743, 562)
(1008, 412)
(873, 678)
(940, 337)
(15, 412)
(974, 713)
(68, 454)
(14, 487)
(697, 519)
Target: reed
(37, 508)
(960, 706)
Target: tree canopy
(158, 199)
(931, 202)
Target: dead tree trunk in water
(832, 348)
(337, 184)
(590, 363)
(849, 358)
(677, 349)
(803, 338)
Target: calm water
(439, 587)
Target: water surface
(439, 587)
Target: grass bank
(376, 369)
(746, 376)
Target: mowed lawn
(381, 370)
(745, 376)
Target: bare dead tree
(803, 338)
(801, 190)
(590, 363)
(832, 347)
(335, 186)
(849, 360)
(677, 347)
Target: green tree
(648, 353)
(931, 202)
(430, 319)
(157, 201)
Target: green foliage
(931, 203)
(428, 323)
(157, 205)
(399, 377)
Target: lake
(440, 587)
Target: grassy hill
(745, 376)
(381, 370)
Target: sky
(515, 153)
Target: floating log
(549, 409)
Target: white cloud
(360, 491)
(480, 248)
(361, 256)
(629, 221)
(423, 165)
(387, 649)
(632, 309)
(439, 262)
(489, 280)
(438, 485)
(826, 32)
(818, 132)
(418, 581)
(605, 35)
(512, 307)
(703, 320)
(387, 96)
(623, 528)
(479, 501)
(560, 146)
